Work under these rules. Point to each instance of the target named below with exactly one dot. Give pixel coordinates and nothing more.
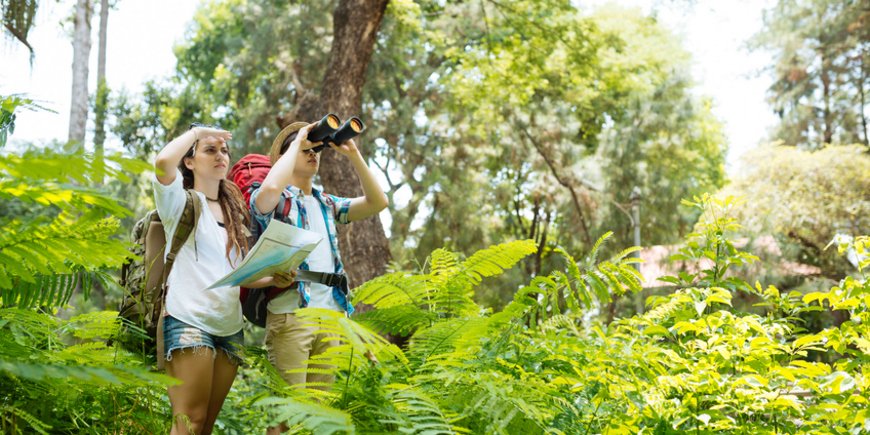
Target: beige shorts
(290, 344)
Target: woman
(203, 328)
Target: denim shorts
(180, 335)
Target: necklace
(212, 200)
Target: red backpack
(249, 173)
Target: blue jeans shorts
(179, 335)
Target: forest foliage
(510, 135)
(691, 364)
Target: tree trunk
(826, 93)
(365, 250)
(81, 51)
(102, 88)
(860, 84)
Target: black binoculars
(329, 129)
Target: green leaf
(655, 329)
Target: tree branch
(561, 181)
(19, 37)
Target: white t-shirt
(217, 311)
(320, 260)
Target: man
(294, 166)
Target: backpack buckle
(333, 279)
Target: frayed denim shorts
(178, 335)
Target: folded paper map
(281, 248)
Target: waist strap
(327, 279)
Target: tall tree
(820, 49)
(81, 52)
(100, 108)
(364, 246)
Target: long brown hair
(236, 216)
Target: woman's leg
(194, 367)
(222, 380)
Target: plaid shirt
(333, 209)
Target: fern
(41, 257)
(395, 289)
(97, 324)
(8, 414)
(319, 419)
(61, 247)
(399, 320)
(442, 338)
(454, 284)
(417, 414)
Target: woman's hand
(279, 279)
(204, 132)
(283, 279)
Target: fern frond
(492, 261)
(93, 353)
(96, 324)
(356, 335)
(506, 404)
(319, 419)
(622, 255)
(34, 422)
(417, 414)
(594, 254)
(399, 320)
(395, 289)
(45, 291)
(65, 245)
(442, 263)
(453, 296)
(50, 168)
(443, 337)
(117, 375)
(70, 198)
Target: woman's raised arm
(170, 156)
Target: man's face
(307, 163)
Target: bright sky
(142, 34)
(139, 46)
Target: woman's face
(211, 160)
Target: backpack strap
(282, 210)
(186, 226)
(325, 278)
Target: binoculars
(330, 130)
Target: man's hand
(347, 148)
(302, 137)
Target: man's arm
(374, 199)
(280, 174)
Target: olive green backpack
(144, 279)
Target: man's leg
(289, 345)
(322, 342)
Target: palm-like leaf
(319, 419)
(65, 245)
